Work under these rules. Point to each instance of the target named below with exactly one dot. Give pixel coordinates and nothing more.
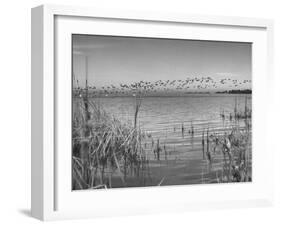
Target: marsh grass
(104, 148)
(234, 146)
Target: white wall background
(15, 111)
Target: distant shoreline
(234, 91)
(173, 96)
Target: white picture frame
(52, 197)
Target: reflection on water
(175, 127)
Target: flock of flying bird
(202, 84)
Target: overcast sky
(115, 60)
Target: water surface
(179, 123)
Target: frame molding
(43, 85)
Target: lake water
(177, 124)
(171, 121)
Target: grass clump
(235, 149)
(103, 148)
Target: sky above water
(115, 60)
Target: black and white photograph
(159, 112)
